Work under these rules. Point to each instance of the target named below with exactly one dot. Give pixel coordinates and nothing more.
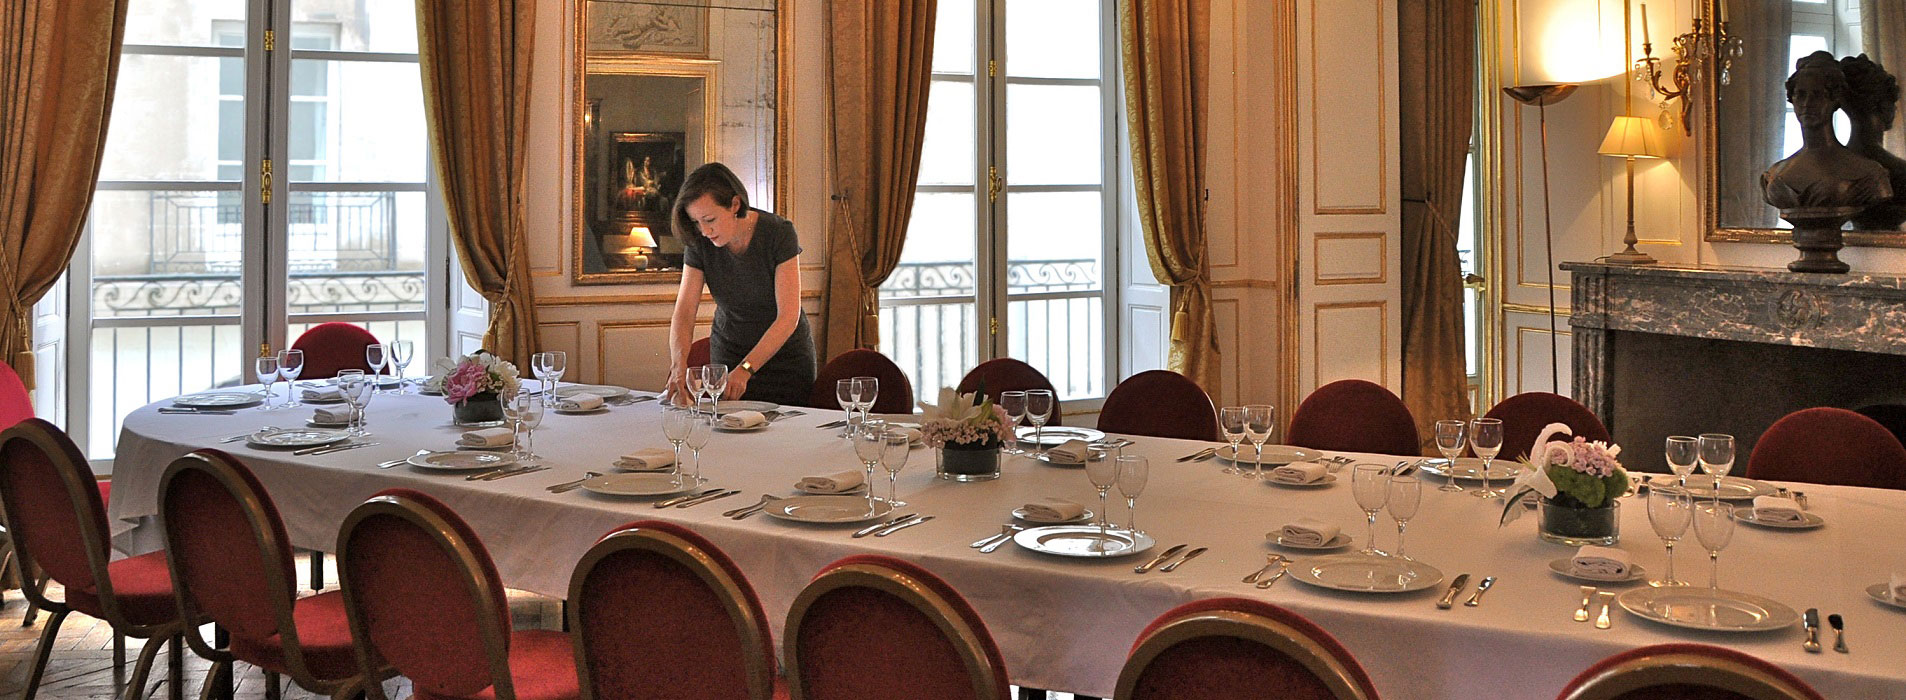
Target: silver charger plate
(1733, 488)
(1083, 541)
(296, 437)
(1562, 568)
(827, 509)
(1055, 435)
(1470, 469)
(461, 461)
(638, 484)
(1808, 521)
(733, 405)
(1020, 513)
(1707, 609)
(1359, 573)
(219, 399)
(1879, 593)
(1340, 541)
(1274, 455)
(606, 391)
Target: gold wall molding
(1515, 308)
(1382, 125)
(1383, 337)
(1317, 258)
(1244, 284)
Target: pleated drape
(475, 57)
(58, 62)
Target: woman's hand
(677, 389)
(737, 384)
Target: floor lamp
(1541, 96)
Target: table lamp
(1630, 138)
(631, 250)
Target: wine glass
(529, 414)
(1682, 451)
(847, 393)
(1717, 458)
(869, 393)
(290, 365)
(537, 367)
(1133, 472)
(696, 379)
(701, 427)
(1714, 527)
(1370, 484)
(1669, 514)
(1485, 438)
(1014, 404)
(894, 458)
(375, 356)
(868, 444)
(675, 425)
(715, 381)
(1451, 437)
(1257, 429)
(1039, 410)
(1406, 493)
(550, 369)
(267, 368)
(1101, 468)
(401, 352)
(356, 389)
(1231, 420)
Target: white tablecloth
(1067, 624)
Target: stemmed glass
(1451, 437)
(1714, 527)
(267, 368)
(400, 353)
(869, 393)
(375, 356)
(1101, 468)
(1014, 404)
(1370, 484)
(701, 426)
(1683, 451)
(1669, 514)
(1257, 428)
(549, 367)
(715, 381)
(697, 380)
(675, 426)
(1231, 420)
(1133, 472)
(894, 458)
(1039, 410)
(1406, 493)
(847, 393)
(356, 389)
(529, 414)
(868, 444)
(1717, 458)
(1485, 438)
(290, 365)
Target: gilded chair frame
(760, 669)
(283, 591)
(985, 676)
(71, 465)
(495, 637)
(1277, 635)
(1682, 668)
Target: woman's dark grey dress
(743, 287)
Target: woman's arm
(787, 316)
(681, 329)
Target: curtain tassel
(1180, 322)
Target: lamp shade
(1633, 137)
(640, 237)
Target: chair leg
(1032, 694)
(317, 570)
(272, 685)
(175, 668)
(219, 675)
(46, 651)
(32, 611)
(119, 657)
(142, 669)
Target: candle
(1644, 24)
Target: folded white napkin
(742, 420)
(338, 414)
(1299, 473)
(580, 401)
(1068, 452)
(1600, 562)
(1052, 510)
(323, 393)
(1774, 509)
(1898, 587)
(838, 482)
(647, 459)
(1307, 532)
(487, 437)
(913, 434)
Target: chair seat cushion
(143, 585)
(542, 663)
(324, 633)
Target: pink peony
(467, 380)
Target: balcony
(1055, 321)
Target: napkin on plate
(580, 401)
(333, 416)
(1600, 562)
(837, 482)
(743, 420)
(1307, 532)
(1774, 509)
(487, 437)
(323, 393)
(914, 436)
(647, 459)
(1068, 452)
(1299, 473)
(1052, 510)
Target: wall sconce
(1692, 52)
(630, 251)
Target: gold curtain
(1166, 52)
(1438, 107)
(1883, 39)
(475, 57)
(882, 58)
(58, 61)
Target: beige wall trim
(1244, 284)
(1317, 258)
(1382, 125)
(1514, 308)
(1383, 338)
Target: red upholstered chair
(1353, 415)
(1007, 374)
(1891, 415)
(699, 354)
(870, 626)
(1224, 648)
(17, 405)
(1524, 416)
(424, 597)
(329, 347)
(1829, 446)
(1686, 672)
(59, 528)
(231, 564)
(1159, 403)
(703, 633)
(896, 393)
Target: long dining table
(1067, 624)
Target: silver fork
(395, 462)
(1270, 560)
(1283, 567)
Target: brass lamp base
(1631, 257)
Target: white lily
(1536, 479)
(953, 406)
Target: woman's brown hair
(715, 180)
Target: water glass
(696, 380)
(675, 426)
(549, 367)
(1101, 468)
(1370, 485)
(375, 356)
(1451, 437)
(701, 427)
(1485, 439)
(529, 415)
(1406, 494)
(1683, 452)
(1669, 514)
(893, 459)
(1258, 422)
(356, 389)
(847, 394)
(1014, 404)
(1133, 472)
(1231, 420)
(267, 368)
(290, 365)
(1039, 408)
(715, 380)
(869, 443)
(1714, 527)
(1717, 457)
(869, 393)
(401, 352)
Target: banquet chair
(1829, 446)
(1005, 374)
(1524, 416)
(17, 405)
(332, 346)
(423, 597)
(930, 644)
(59, 528)
(1352, 415)
(1225, 648)
(703, 632)
(896, 393)
(699, 353)
(1159, 403)
(1891, 415)
(231, 565)
(1683, 672)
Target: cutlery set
(991, 543)
(1167, 555)
(832, 424)
(745, 511)
(329, 449)
(199, 411)
(698, 499)
(1812, 621)
(567, 486)
(1456, 587)
(1279, 561)
(892, 525)
(387, 464)
(505, 473)
(1799, 498)
(1592, 596)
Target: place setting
(847, 496)
(1710, 608)
(1100, 539)
(1370, 570)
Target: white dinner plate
(1340, 541)
(219, 399)
(590, 412)
(1733, 488)
(737, 405)
(1359, 573)
(1470, 469)
(827, 509)
(860, 490)
(1083, 541)
(296, 437)
(1808, 521)
(719, 428)
(1320, 483)
(606, 391)
(1561, 566)
(1699, 608)
(1274, 455)
(1020, 513)
(461, 461)
(1055, 435)
(1878, 592)
(638, 484)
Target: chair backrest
(1682, 671)
(15, 403)
(1226, 648)
(930, 644)
(332, 346)
(55, 515)
(1524, 416)
(703, 632)
(699, 353)
(1159, 403)
(423, 596)
(1891, 415)
(1007, 374)
(1829, 446)
(1352, 415)
(896, 392)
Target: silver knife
(1167, 554)
(686, 497)
(1193, 554)
(705, 499)
(1001, 542)
(1481, 588)
(1455, 589)
(865, 531)
(519, 472)
(903, 526)
(328, 449)
(1200, 454)
(494, 473)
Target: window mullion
(991, 123)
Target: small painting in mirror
(646, 169)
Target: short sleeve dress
(743, 287)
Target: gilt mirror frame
(579, 114)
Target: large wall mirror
(1750, 125)
(664, 86)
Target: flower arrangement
(964, 420)
(1571, 473)
(476, 373)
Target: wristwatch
(748, 366)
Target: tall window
(1013, 218)
(1821, 25)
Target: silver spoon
(1270, 560)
